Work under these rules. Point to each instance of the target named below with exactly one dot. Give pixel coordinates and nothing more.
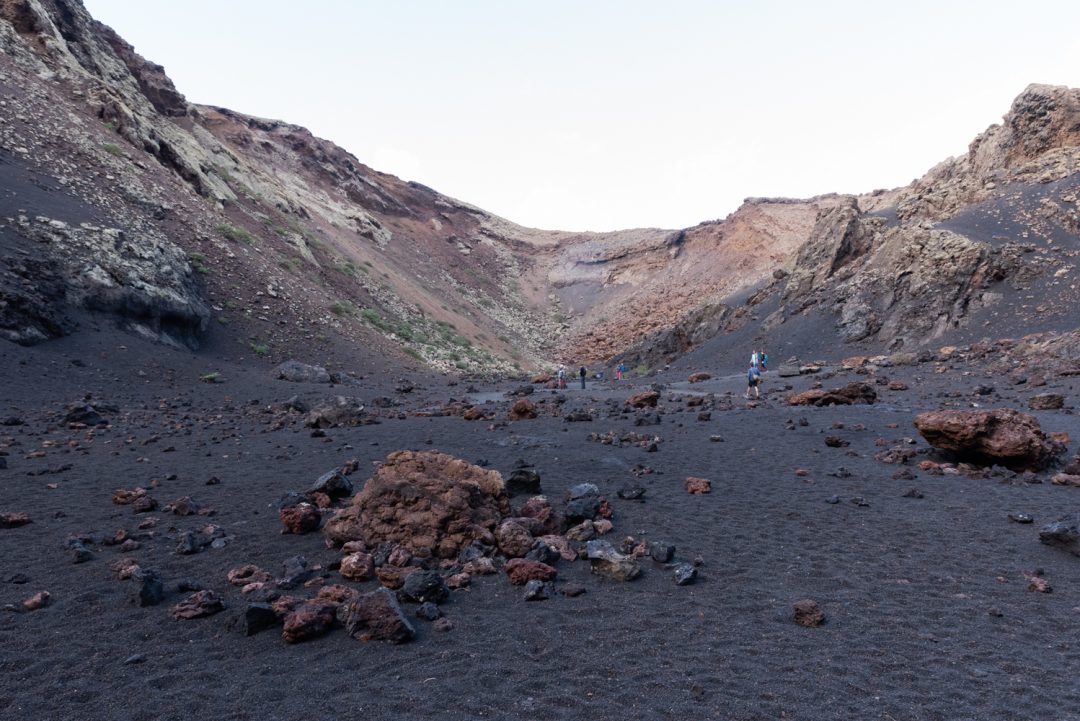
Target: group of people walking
(759, 363)
(583, 372)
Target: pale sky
(602, 115)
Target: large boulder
(298, 372)
(1002, 436)
(644, 399)
(430, 503)
(848, 395)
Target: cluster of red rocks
(425, 524)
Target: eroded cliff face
(984, 244)
(287, 240)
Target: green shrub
(235, 234)
(211, 377)
(112, 149)
(260, 349)
(412, 352)
(347, 268)
(343, 308)
(198, 262)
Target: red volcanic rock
(520, 571)
(645, 399)
(309, 620)
(337, 594)
(539, 508)
(513, 538)
(851, 393)
(699, 377)
(301, 518)
(429, 503)
(541, 378)
(808, 613)
(394, 576)
(473, 414)
(197, 605)
(1002, 436)
(698, 486)
(244, 575)
(522, 409)
(399, 556)
(13, 520)
(358, 566)
(376, 616)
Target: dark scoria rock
(333, 483)
(523, 481)
(258, 617)
(1063, 533)
(684, 574)
(298, 372)
(151, 590)
(424, 587)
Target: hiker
(764, 361)
(753, 380)
(561, 376)
(754, 359)
(619, 371)
(582, 372)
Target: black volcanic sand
(929, 616)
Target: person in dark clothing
(582, 372)
(753, 380)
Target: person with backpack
(764, 361)
(753, 380)
(582, 372)
(754, 358)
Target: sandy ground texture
(927, 602)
